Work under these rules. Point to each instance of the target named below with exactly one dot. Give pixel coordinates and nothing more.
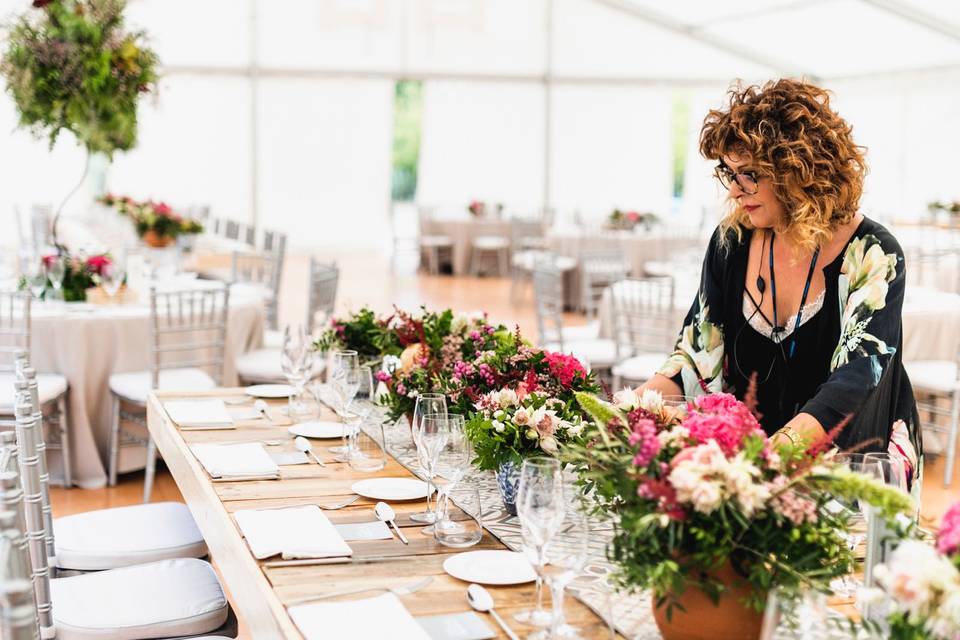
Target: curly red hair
(794, 137)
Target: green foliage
(70, 64)
(407, 111)
(361, 332)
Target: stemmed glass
(357, 385)
(432, 433)
(36, 277)
(428, 404)
(296, 360)
(452, 464)
(110, 279)
(857, 463)
(566, 557)
(56, 271)
(344, 379)
(541, 507)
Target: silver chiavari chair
(599, 270)
(594, 353)
(644, 327)
(28, 384)
(322, 296)
(192, 600)
(52, 389)
(188, 331)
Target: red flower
(564, 367)
(96, 264)
(40, 4)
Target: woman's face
(763, 207)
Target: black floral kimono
(847, 357)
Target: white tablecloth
(462, 231)
(86, 343)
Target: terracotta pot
(701, 619)
(154, 239)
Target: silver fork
(413, 587)
(345, 503)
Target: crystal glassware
(431, 438)
(56, 271)
(296, 360)
(541, 508)
(427, 404)
(566, 556)
(467, 513)
(452, 464)
(857, 463)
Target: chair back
(14, 327)
(27, 426)
(188, 329)
(643, 317)
(9, 456)
(41, 226)
(322, 297)
(598, 270)
(274, 245)
(525, 234)
(18, 610)
(231, 230)
(18, 564)
(28, 383)
(548, 302)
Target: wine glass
(111, 279)
(340, 363)
(36, 277)
(541, 508)
(857, 463)
(56, 272)
(452, 464)
(428, 404)
(296, 359)
(357, 385)
(566, 556)
(432, 433)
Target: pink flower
(723, 418)
(96, 264)
(663, 493)
(948, 538)
(644, 437)
(382, 376)
(401, 389)
(790, 504)
(564, 367)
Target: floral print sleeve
(696, 364)
(871, 289)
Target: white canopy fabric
(280, 111)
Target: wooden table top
(259, 593)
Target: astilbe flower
(724, 419)
(790, 504)
(643, 436)
(948, 538)
(450, 351)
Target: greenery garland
(70, 64)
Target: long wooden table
(259, 593)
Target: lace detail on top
(760, 323)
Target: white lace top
(759, 322)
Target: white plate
(318, 429)
(391, 488)
(490, 567)
(243, 413)
(269, 391)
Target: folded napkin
(296, 532)
(380, 617)
(247, 460)
(199, 414)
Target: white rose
(626, 400)
(508, 398)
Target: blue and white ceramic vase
(508, 481)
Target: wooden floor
(369, 280)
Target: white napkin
(380, 617)
(249, 459)
(199, 414)
(296, 532)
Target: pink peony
(723, 418)
(564, 367)
(948, 538)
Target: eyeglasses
(747, 180)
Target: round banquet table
(88, 342)
(462, 229)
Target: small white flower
(675, 437)
(706, 497)
(508, 398)
(575, 429)
(391, 363)
(626, 400)
(413, 393)
(498, 426)
(549, 444)
(498, 414)
(651, 400)
(532, 434)
(521, 417)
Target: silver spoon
(302, 444)
(481, 600)
(386, 513)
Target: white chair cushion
(589, 331)
(272, 339)
(933, 375)
(50, 386)
(597, 353)
(155, 600)
(640, 367)
(436, 241)
(262, 365)
(526, 260)
(490, 242)
(124, 536)
(136, 386)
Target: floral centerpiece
(949, 207)
(923, 583)
(80, 273)
(363, 332)
(479, 208)
(156, 222)
(628, 220)
(709, 515)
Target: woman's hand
(804, 429)
(663, 384)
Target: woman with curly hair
(799, 290)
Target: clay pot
(157, 241)
(701, 619)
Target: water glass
(857, 463)
(56, 268)
(366, 450)
(466, 513)
(296, 361)
(36, 277)
(804, 618)
(452, 465)
(566, 556)
(111, 279)
(431, 438)
(342, 363)
(427, 404)
(541, 507)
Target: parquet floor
(368, 279)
